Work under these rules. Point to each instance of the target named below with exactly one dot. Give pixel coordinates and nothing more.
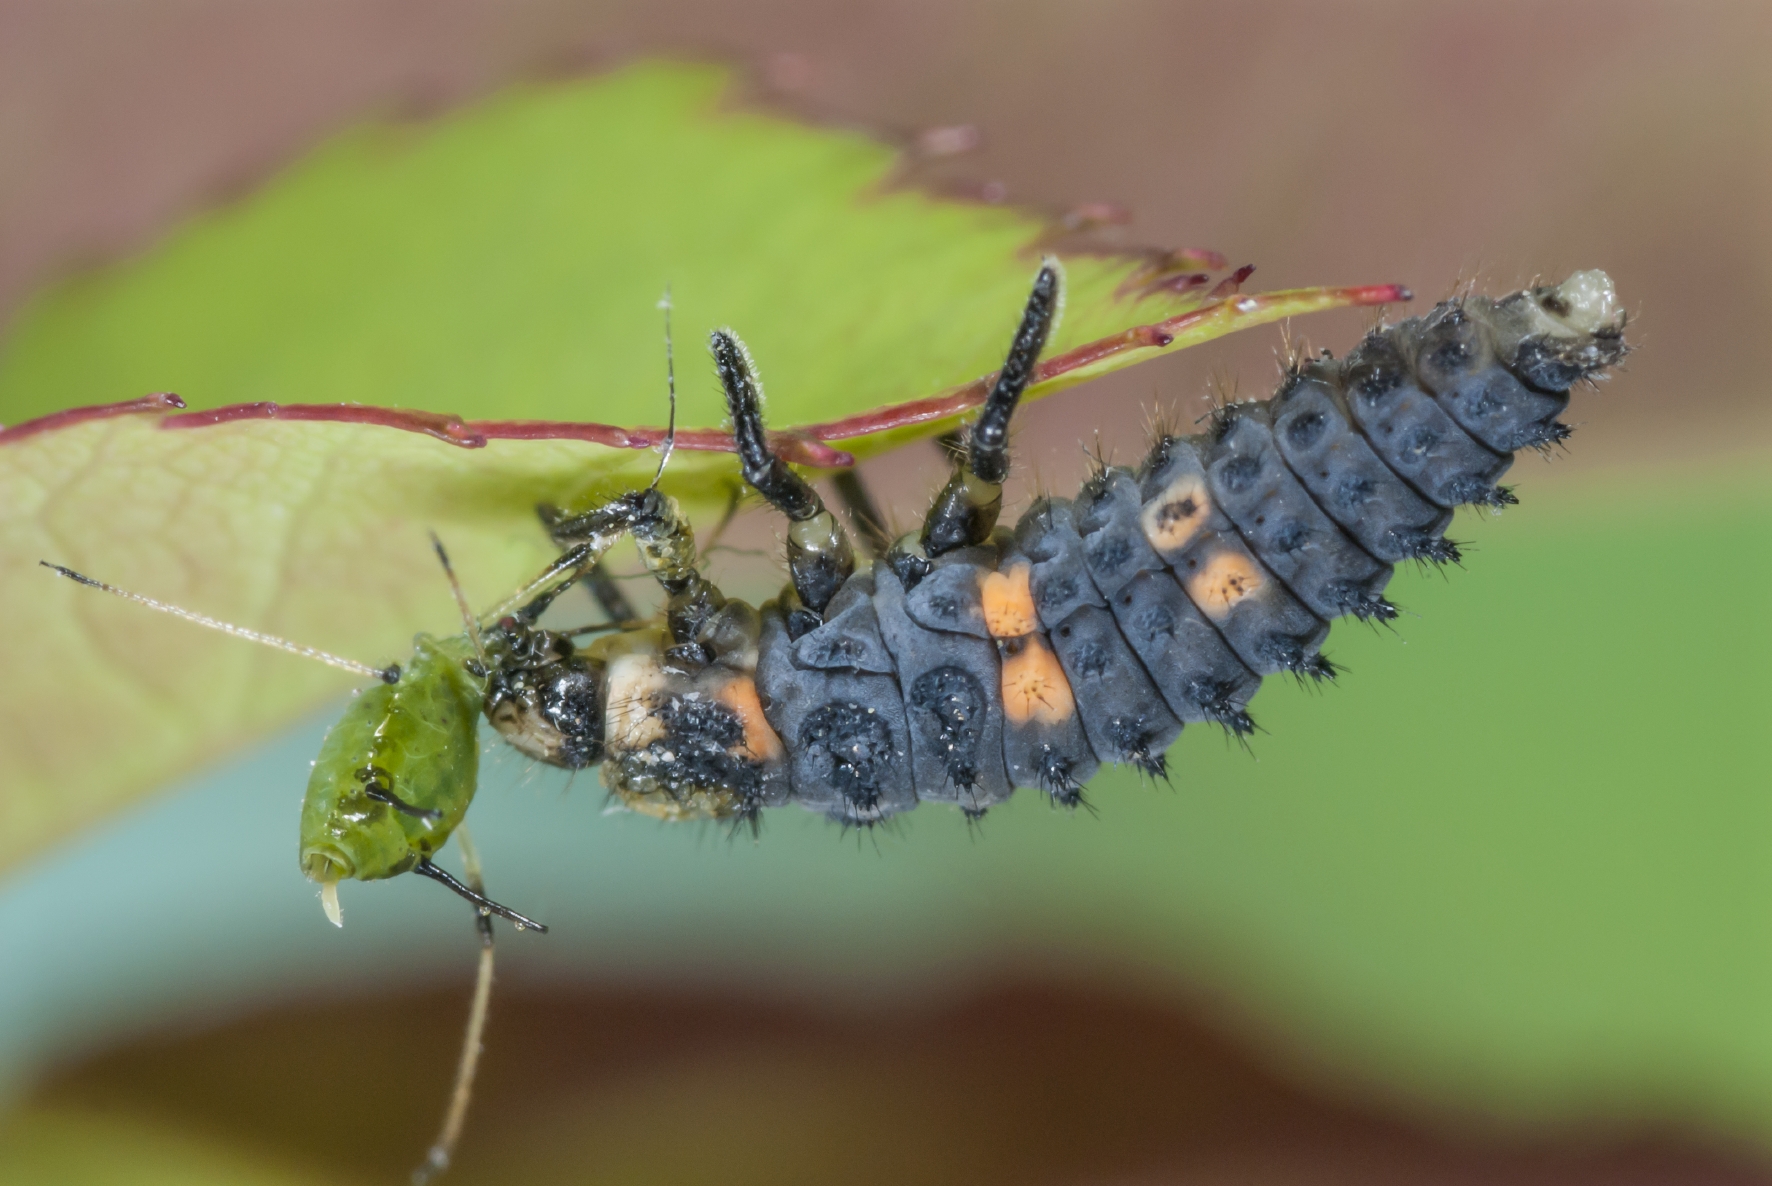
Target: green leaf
(489, 282)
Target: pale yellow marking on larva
(1175, 517)
(698, 804)
(1008, 602)
(1227, 579)
(1034, 686)
(634, 682)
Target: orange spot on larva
(1226, 579)
(740, 695)
(1008, 602)
(1034, 686)
(1175, 516)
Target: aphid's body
(396, 774)
(974, 661)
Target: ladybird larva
(973, 660)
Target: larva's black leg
(966, 510)
(667, 547)
(864, 513)
(610, 598)
(820, 556)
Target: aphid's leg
(443, 1148)
(966, 510)
(486, 905)
(378, 785)
(864, 514)
(820, 557)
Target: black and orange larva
(971, 660)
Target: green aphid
(418, 734)
(396, 775)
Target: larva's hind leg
(966, 510)
(820, 556)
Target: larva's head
(1557, 335)
(545, 697)
(396, 774)
(1586, 303)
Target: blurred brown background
(1324, 142)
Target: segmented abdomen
(1159, 597)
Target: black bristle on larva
(1281, 652)
(699, 749)
(1054, 774)
(1218, 421)
(1363, 605)
(1483, 494)
(1549, 436)
(1158, 456)
(1217, 700)
(1426, 547)
(953, 697)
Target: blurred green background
(1494, 908)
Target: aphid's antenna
(570, 564)
(437, 1160)
(461, 600)
(670, 442)
(388, 675)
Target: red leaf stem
(160, 401)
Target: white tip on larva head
(1585, 303)
(329, 903)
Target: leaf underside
(440, 327)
